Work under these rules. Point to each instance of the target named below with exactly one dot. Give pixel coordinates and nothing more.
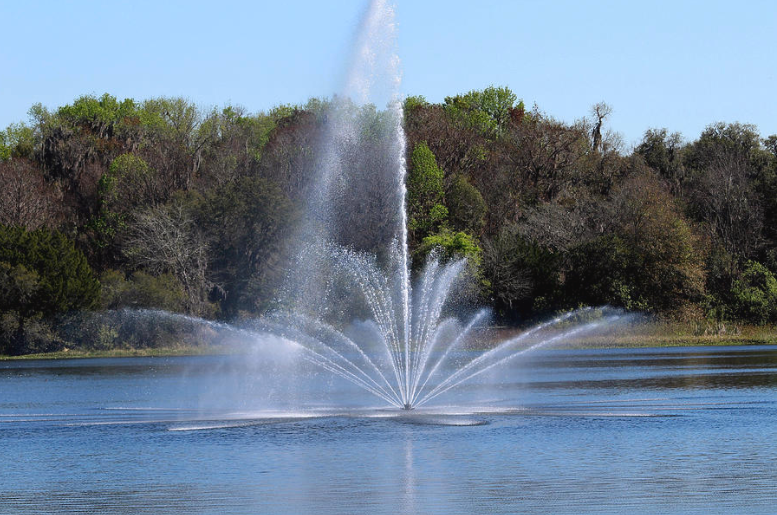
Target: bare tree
(600, 112)
(561, 224)
(26, 200)
(724, 198)
(548, 154)
(166, 239)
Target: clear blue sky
(678, 64)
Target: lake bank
(125, 353)
(649, 335)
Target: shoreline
(161, 352)
(629, 342)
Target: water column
(373, 77)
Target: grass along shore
(193, 350)
(673, 334)
(646, 335)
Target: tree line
(109, 203)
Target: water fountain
(351, 304)
(408, 350)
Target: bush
(451, 244)
(141, 291)
(755, 294)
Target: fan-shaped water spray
(411, 351)
(353, 267)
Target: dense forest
(108, 203)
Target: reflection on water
(595, 431)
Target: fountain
(352, 304)
(349, 305)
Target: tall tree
(663, 152)
(425, 193)
(726, 160)
(247, 223)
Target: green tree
(175, 140)
(236, 143)
(100, 117)
(76, 144)
(247, 224)
(425, 185)
(755, 294)
(523, 276)
(17, 140)
(127, 184)
(451, 245)
(466, 206)
(488, 111)
(649, 260)
(42, 274)
(727, 162)
(663, 152)
(724, 142)
(602, 271)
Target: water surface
(686, 430)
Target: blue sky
(677, 64)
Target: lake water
(686, 430)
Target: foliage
(662, 152)
(17, 141)
(487, 112)
(99, 116)
(466, 206)
(601, 271)
(128, 184)
(189, 209)
(66, 281)
(415, 102)
(141, 291)
(235, 143)
(125, 185)
(650, 260)
(426, 212)
(42, 274)
(755, 294)
(669, 255)
(244, 222)
(452, 244)
(523, 275)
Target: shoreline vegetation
(645, 336)
(550, 215)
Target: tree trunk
(18, 346)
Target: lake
(675, 430)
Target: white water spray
(416, 344)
